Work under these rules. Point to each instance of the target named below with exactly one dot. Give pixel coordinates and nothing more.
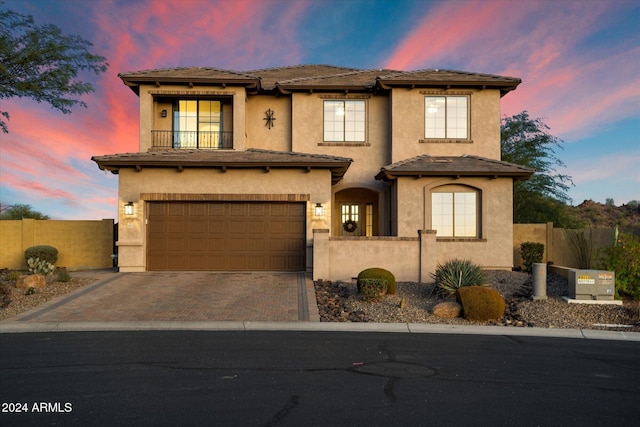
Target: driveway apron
(185, 296)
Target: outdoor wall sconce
(163, 113)
(128, 208)
(318, 210)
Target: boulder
(448, 310)
(31, 281)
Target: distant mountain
(604, 216)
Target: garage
(226, 236)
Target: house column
(428, 254)
(320, 253)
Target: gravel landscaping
(339, 302)
(14, 301)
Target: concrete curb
(411, 328)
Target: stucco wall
(132, 229)
(278, 138)
(348, 257)
(493, 249)
(407, 126)
(307, 132)
(81, 245)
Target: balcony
(189, 140)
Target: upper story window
(446, 117)
(455, 213)
(344, 120)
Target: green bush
(63, 276)
(454, 274)
(481, 303)
(624, 259)
(379, 273)
(532, 253)
(43, 252)
(372, 288)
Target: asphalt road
(315, 378)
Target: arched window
(455, 211)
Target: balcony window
(197, 124)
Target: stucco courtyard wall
(81, 245)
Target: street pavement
(315, 378)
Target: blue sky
(579, 62)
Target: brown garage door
(226, 236)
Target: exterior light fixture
(163, 113)
(318, 210)
(128, 208)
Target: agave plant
(454, 274)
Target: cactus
(38, 266)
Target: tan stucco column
(428, 254)
(320, 253)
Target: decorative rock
(447, 310)
(31, 281)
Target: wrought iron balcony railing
(192, 140)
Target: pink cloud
(578, 91)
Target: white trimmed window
(455, 214)
(344, 120)
(446, 117)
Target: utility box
(591, 284)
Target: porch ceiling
(225, 159)
(456, 166)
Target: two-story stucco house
(315, 168)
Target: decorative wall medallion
(269, 119)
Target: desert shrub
(532, 252)
(481, 303)
(380, 273)
(582, 246)
(372, 288)
(12, 276)
(63, 275)
(40, 266)
(454, 274)
(43, 252)
(624, 259)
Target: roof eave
(135, 82)
(504, 87)
(386, 175)
(338, 169)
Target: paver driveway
(185, 296)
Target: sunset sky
(579, 63)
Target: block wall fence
(81, 245)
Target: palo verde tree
(542, 198)
(41, 63)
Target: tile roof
(457, 166)
(224, 159)
(320, 77)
